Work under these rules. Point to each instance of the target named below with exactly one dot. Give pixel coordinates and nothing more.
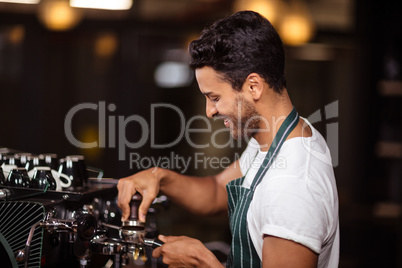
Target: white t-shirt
(297, 199)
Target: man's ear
(255, 85)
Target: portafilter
(132, 236)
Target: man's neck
(273, 109)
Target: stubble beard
(245, 120)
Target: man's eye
(215, 99)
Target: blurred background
(95, 72)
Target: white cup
(59, 183)
(7, 169)
(57, 176)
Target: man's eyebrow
(207, 93)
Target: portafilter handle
(153, 242)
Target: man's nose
(210, 109)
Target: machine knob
(20, 255)
(4, 193)
(86, 226)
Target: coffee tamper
(133, 230)
(133, 219)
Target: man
(284, 208)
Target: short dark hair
(239, 45)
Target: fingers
(175, 252)
(169, 239)
(126, 191)
(162, 238)
(144, 182)
(158, 251)
(145, 204)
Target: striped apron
(242, 251)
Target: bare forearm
(199, 195)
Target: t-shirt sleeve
(292, 209)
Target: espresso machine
(77, 226)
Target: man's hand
(146, 183)
(182, 251)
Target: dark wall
(49, 73)
(54, 72)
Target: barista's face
(238, 113)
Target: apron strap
(286, 128)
